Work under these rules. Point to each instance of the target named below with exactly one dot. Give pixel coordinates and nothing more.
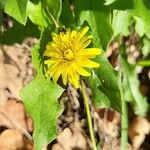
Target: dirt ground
(16, 126)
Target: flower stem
(89, 118)
(124, 117)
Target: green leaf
(122, 5)
(40, 99)
(139, 13)
(140, 10)
(100, 99)
(19, 32)
(1, 15)
(36, 15)
(52, 9)
(48, 12)
(66, 17)
(121, 22)
(134, 96)
(146, 47)
(108, 83)
(108, 2)
(139, 26)
(98, 17)
(17, 9)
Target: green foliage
(98, 17)
(37, 18)
(108, 2)
(100, 99)
(66, 17)
(121, 5)
(140, 10)
(146, 47)
(40, 98)
(17, 9)
(1, 13)
(139, 26)
(131, 88)
(41, 13)
(53, 10)
(109, 86)
(121, 22)
(138, 13)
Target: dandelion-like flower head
(69, 56)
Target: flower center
(69, 54)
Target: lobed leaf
(40, 99)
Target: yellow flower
(68, 56)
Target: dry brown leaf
(12, 115)
(69, 140)
(138, 129)
(9, 80)
(16, 55)
(57, 147)
(11, 139)
(16, 69)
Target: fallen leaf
(13, 115)
(138, 129)
(11, 139)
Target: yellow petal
(89, 63)
(82, 44)
(86, 44)
(56, 74)
(50, 61)
(89, 52)
(65, 75)
(82, 71)
(52, 54)
(53, 68)
(73, 34)
(83, 32)
(74, 79)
